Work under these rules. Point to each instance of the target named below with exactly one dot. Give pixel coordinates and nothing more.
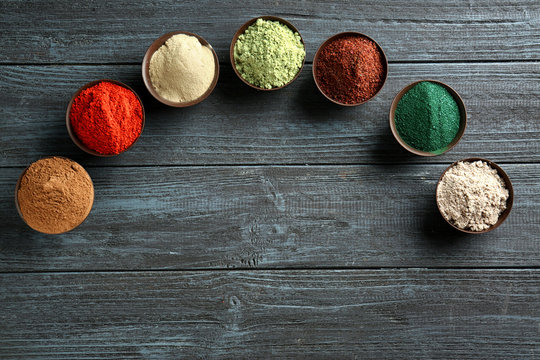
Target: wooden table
(271, 225)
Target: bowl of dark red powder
(350, 68)
(105, 117)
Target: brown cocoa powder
(55, 195)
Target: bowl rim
(243, 28)
(462, 123)
(509, 202)
(337, 36)
(18, 185)
(71, 131)
(154, 46)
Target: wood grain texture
(296, 125)
(268, 217)
(372, 314)
(212, 238)
(121, 31)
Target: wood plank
(120, 31)
(383, 314)
(270, 217)
(296, 125)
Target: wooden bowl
(242, 29)
(462, 120)
(337, 36)
(18, 185)
(72, 133)
(509, 201)
(146, 70)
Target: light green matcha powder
(268, 54)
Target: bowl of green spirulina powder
(267, 53)
(428, 118)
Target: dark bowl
(337, 36)
(242, 29)
(18, 184)
(72, 133)
(146, 70)
(509, 201)
(462, 120)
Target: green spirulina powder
(427, 117)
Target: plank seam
(280, 269)
(309, 62)
(272, 165)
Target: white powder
(182, 69)
(472, 195)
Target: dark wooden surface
(271, 225)
(387, 313)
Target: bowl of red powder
(350, 68)
(105, 117)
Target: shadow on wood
(313, 103)
(437, 232)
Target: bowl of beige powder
(474, 195)
(180, 69)
(54, 195)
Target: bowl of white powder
(180, 69)
(474, 195)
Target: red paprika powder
(107, 118)
(350, 69)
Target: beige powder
(182, 69)
(472, 195)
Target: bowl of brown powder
(54, 195)
(180, 69)
(474, 195)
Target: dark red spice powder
(107, 118)
(350, 69)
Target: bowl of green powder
(267, 53)
(428, 118)
(180, 69)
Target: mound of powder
(472, 195)
(268, 54)
(107, 118)
(350, 69)
(427, 117)
(55, 195)
(182, 69)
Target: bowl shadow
(436, 231)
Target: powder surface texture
(182, 69)
(107, 118)
(427, 117)
(472, 195)
(350, 69)
(268, 54)
(55, 195)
